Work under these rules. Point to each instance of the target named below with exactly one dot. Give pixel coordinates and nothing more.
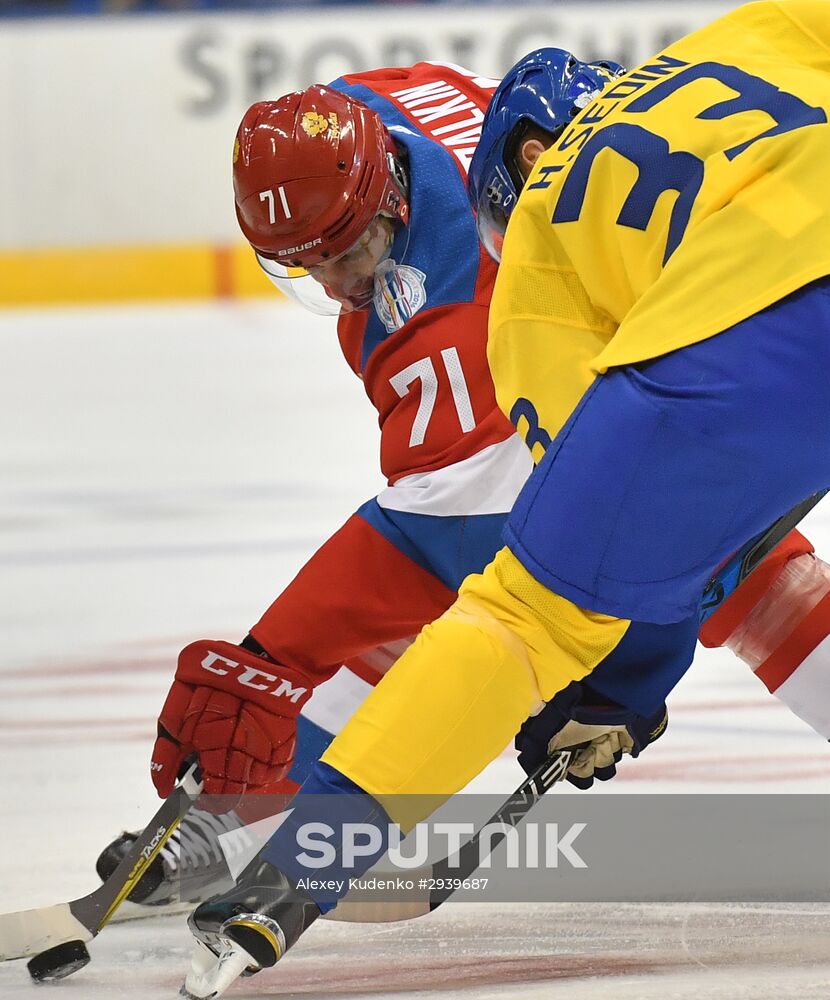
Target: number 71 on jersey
(424, 370)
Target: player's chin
(357, 299)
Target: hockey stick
(460, 866)
(724, 583)
(749, 556)
(34, 931)
(31, 932)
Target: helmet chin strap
(398, 170)
(386, 264)
(396, 224)
(383, 267)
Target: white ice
(165, 472)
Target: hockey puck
(58, 962)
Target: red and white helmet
(310, 173)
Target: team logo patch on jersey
(400, 291)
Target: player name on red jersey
(438, 101)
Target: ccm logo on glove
(249, 677)
(235, 711)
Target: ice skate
(190, 867)
(248, 928)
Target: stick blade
(30, 932)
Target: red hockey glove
(236, 712)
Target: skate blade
(210, 974)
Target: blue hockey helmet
(546, 88)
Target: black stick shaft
(509, 816)
(95, 910)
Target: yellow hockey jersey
(690, 194)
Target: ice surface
(165, 472)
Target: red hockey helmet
(310, 173)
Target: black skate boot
(248, 928)
(190, 867)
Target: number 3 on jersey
(659, 168)
(424, 371)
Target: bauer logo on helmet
(290, 251)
